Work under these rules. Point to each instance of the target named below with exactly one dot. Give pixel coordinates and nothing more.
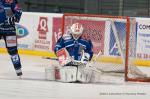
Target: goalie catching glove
(85, 57)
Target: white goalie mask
(76, 30)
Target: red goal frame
(127, 40)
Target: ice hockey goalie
(73, 53)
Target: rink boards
(37, 39)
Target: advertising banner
(43, 33)
(113, 47)
(56, 30)
(25, 32)
(40, 32)
(143, 38)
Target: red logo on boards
(43, 27)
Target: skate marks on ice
(38, 88)
(24, 89)
(33, 67)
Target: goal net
(112, 45)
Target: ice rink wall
(38, 32)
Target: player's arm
(2, 13)
(17, 11)
(59, 45)
(88, 51)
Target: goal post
(112, 36)
(142, 66)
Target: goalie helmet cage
(105, 32)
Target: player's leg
(11, 45)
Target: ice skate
(19, 73)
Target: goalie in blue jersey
(77, 48)
(74, 53)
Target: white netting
(99, 30)
(110, 36)
(96, 28)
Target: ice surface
(34, 86)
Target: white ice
(34, 86)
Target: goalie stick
(51, 58)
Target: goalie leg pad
(84, 75)
(68, 74)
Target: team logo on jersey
(43, 27)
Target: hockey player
(72, 50)
(10, 13)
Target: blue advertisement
(21, 31)
(113, 47)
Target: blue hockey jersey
(2, 13)
(9, 8)
(74, 47)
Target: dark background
(136, 8)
